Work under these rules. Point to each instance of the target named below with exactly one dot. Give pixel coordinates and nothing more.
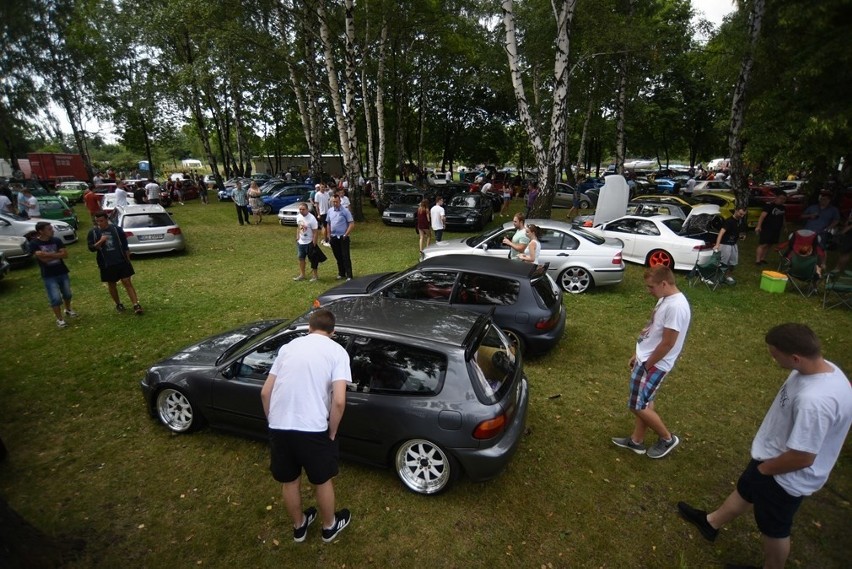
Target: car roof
(480, 264)
(141, 208)
(403, 318)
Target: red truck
(54, 168)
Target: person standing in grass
(50, 252)
(657, 349)
(795, 448)
(769, 226)
(727, 242)
(240, 197)
(113, 256)
(306, 241)
(340, 225)
(304, 398)
(437, 216)
(424, 224)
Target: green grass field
(87, 461)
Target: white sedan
(662, 239)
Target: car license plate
(396, 220)
(156, 237)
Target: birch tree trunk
(370, 170)
(581, 152)
(333, 83)
(380, 108)
(738, 106)
(621, 106)
(353, 162)
(547, 159)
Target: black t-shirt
(774, 219)
(732, 231)
(54, 267)
(113, 252)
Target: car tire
(176, 411)
(516, 339)
(576, 280)
(424, 467)
(585, 204)
(267, 209)
(660, 257)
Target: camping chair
(803, 273)
(798, 241)
(711, 273)
(838, 286)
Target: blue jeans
(58, 288)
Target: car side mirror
(228, 372)
(484, 246)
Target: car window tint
(487, 289)
(550, 239)
(138, 221)
(622, 226)
(493, 365)
(257, 363)
(382, 366)
(591, 237)
(424, 285)
(674, 224)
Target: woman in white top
(533, 251)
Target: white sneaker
(313, 279)
(299, 278)
(71, 313)
(60, 323)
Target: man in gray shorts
(726, 243)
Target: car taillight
(616, 260)
(588, 223)
(173, 230)
(547, 323)
(490, 428)
(702, 247)
(128, 233)
(317, 303)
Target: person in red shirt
(93, 202)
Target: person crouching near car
(113, 256)
(304, 398)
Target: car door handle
(563, 255)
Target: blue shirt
(239, 196)
(339, 220)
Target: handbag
(316, 255)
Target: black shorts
(774, 508)
(115, 273)
(769, 236)
(291, 451)
(844, 244)
(321, 220)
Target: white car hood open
(612, 200)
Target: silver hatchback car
(150, 229)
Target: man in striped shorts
(657, 348)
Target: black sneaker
(119, 308)
(137, 308)
(341, 520)
(299, 533)
(698, 518)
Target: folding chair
(838, 290)
(798, 241)
(710, 273)
(803, 274)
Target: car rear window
(142, 220)
(493, 365)
(391, 368)
(543, 288)
(591, 237)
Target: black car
(435, 391)
(403, 209)
(390, 191)
(527, 303)
(468, 211)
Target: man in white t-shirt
(795, 448)
(304, 398)
(438, 217)
(6, 204)
(120, 195)
(321, 199)
(30, 203)
(657, 349)
(306, 239)
(152, 192)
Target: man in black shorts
(769, 225)
(113, 254)
(795, 448)
(304, 397)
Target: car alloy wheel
(266, 210)
(575, 280)
(585, 204)
(424, 467)
(660, 257)
(176, 411)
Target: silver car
(287, 214)
(14, 248)
(14, 225)
(577, 259)
(150, 229)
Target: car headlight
(386, 214)
(409, 215)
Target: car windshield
(588, 236)
(494, 365)
(463, 201)
(381, 281)
(142, 220)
